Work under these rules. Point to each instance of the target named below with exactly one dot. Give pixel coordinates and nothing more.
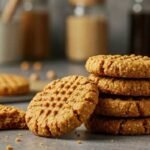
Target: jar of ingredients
(87, 29)
(140, 27)
(35, 29)
(10, 33)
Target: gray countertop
(70, 141)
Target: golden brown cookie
(120, 86)
(123, 106)
(119, 126)
(126, 66)
(11, 118)
(62, 106)
(13, 85)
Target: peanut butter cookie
(13, 85)
(11, 118)
(123, 106)
(127, 66)
(120, 86)
(119, 126)
(62, 106)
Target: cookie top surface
(12, 118)
(122, 86)
(62, 106)
(13, 85)
(119, 126)
(123, 107)
(123, 66)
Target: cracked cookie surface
(11, 118)
(122, 86)
(119, 126)
(13, 85)
(62, 106)
(123, 106)
(124, 66)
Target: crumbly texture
(62, 106)
(123, 107)
(12, 118)
(126, 66)
(13, 85)
(120, 86)
(119, 126)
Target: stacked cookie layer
(124, 100)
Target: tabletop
(79, 139)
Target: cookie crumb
(17, 140)
(25, 66)
(19, 134)
(41, 144)
(9, 147)
(51, 75)
(37, 66)
(79, 142)
(34, 77)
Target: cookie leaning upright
(11, 118)
(62, 106)
(126, 66)
(11, 84)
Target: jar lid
(85, 2)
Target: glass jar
(10, 33)
(86, 29)
(140, 27)
(35, 29)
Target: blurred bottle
(35, 29)
(86, 29)
(140, 27)
(10, 33)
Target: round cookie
(119, 126)
(11, 118)
(123, 107)
(122, 86)
(62, 106)
(13, 85)
(126, 66)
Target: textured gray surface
(68, 142)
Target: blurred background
(72, 29)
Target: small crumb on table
(17, 140)
(9, 147)
(34, 77)
(37, 66)
(25, 66)
(51, 75)
(79, 142)
(19, 134)
(41, 144)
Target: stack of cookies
(124, 100)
